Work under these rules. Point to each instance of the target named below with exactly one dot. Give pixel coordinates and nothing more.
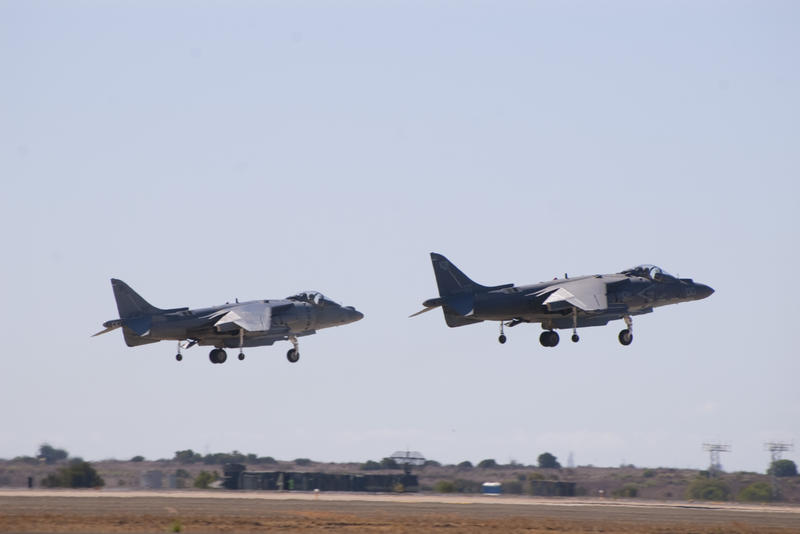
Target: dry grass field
(92, 511)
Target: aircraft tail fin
(129, 302)
(450, 279)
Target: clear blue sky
(203, 151)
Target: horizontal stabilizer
(423, 310)
(108, 329)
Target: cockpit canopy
(651, 272)
(312, 297)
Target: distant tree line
(188, 456)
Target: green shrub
(708, 489)
(220, 458)
(78, 474)
(756, 492)
(203, 479)
(487, 464)
(649, 473)
(467, 486)
(50, 454)
(548, 461)
(783, 468)
(389, 463)
(627, 491)
(466, 464)
(444, 486)
(26, 460)
(302, 461)
(187, 456)
(370, 465)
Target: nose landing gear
(626, 336)
(294, 353)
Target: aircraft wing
(587, 294)
(252, 316)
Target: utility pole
(776, 450)
(715, 449)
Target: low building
(237, 477)
(152, 479)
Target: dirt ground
(94, 511)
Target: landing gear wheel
(241, 356)
(549, 339)
(292, 355)
(553, 339)
(625, 337)
(502, 338)
(217, 356)
(179, 356)
(575, 338)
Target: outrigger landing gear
(502, 338)
(575, 338)
(294, 353)
(626, 336)
(241, 342)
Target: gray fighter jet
(560, 303)
(242, 324)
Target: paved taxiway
(150, 511)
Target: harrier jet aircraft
(238, 325)
(560, 303)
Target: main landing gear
(626, 336)
(549, 338)
(502, 338)
(294, 353)
(217, 356)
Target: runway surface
(238, 511)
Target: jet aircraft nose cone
(704, 291)
(353, 314)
